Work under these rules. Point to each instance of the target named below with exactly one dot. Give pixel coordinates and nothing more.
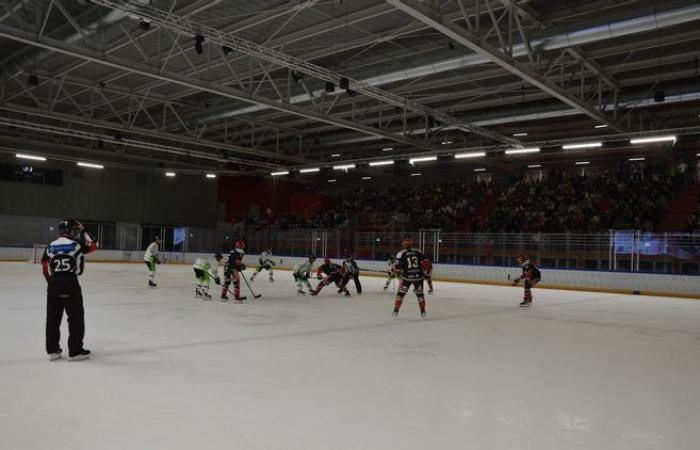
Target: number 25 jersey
(409, 261)
(64, 257)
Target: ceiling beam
(183, 26)
(470, 40)
(204, 86)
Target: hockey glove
(217, 280)
(157, 260)
(516, 281)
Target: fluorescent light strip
(211, 175)
(447, 142)
(586, 145)
(276, 174)
(170, 174)
(637, 159)
(519, 134)
(310, 170)
(470, 155)
(480, 169)
(653, 139)
(366, 178)
(335, 155)
(519, 151)
(381, 163)
(415, 174)
(32, 157)
(90, 165)
(332, 181)
(601, 126)
(423, 159)
(344, 167)
(388, 149)
(582, 163)
(534, 166)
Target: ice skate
(300, 292)
(395, 314)
(197, 294)
(82, 354)
(240, 299)
(422, 315)
(152, 284)
(56, 355)
(525, 303)
(206, 296)
(386, 287)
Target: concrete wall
(617, 282)
(114, 195)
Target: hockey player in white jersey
(152, 258)
(264, 262)
(203, 275)
(301, 274)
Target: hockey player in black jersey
(531, 276)
(333, 274)
(410, 262)
(62, 262)
(234, 265)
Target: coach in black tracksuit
(62, 262)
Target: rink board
(687, 286)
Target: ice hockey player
(301, 274)
(531, 276)
(428, 274)
(264, 262)
(410, 262)
(393, 273)
(351, 272)
(62, 263)
(234, 265)
(334, 273)
(152, 258)
(203, 276)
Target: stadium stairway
(681, 209)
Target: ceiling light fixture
(277, 174)
(310, 170)
(470, 155)
(651, 140)
(422, 159)
(381, 163)
(32, 157)
(519, 151)
(91, 165)
(344, 167)
(585, 145)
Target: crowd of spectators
(694, 221)
(629, 197)
(632, 197)
(437, 205)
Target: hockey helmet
(326, 260)
(522, 258)
(68, 225)
(157, 238)
(239, 244)
(407, 243)
(218, 256)
(312, 258)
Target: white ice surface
(576, 371)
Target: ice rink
(576, 371)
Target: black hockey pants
(64, 293)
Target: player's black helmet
(68, 225)
(312, 258)
(218, 256)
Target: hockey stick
(373, 270)
(250, 288)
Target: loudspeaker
(659, 96)
(344, 83)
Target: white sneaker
(55, 356)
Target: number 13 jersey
(409, 261)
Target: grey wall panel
(115, 195)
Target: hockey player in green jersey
(264, 262)
(203, 275)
